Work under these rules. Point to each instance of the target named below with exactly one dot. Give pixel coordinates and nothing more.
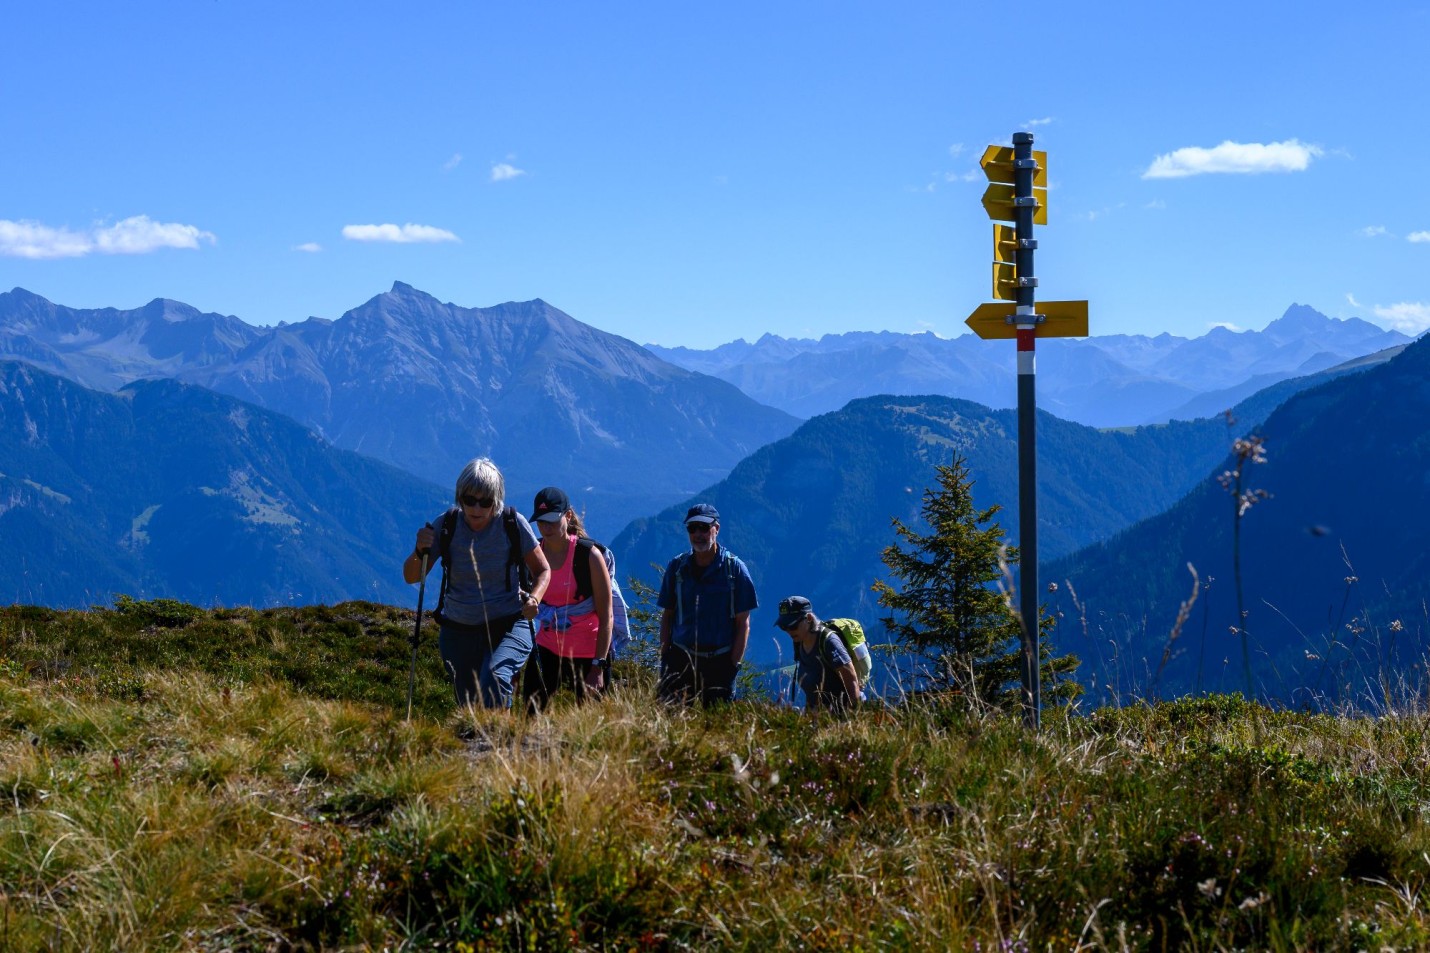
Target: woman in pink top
(573, 639)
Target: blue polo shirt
(706, 600)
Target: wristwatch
(599, 663)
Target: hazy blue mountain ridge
(165, 489)
(107, 348)
(1112, 380)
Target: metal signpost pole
(1026, 320)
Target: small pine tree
(639, 661)
(947, 611)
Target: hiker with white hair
(493, 577)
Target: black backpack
(514, 558)
(581, 568)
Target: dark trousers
(686, 678)
(547, 672)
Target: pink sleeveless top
(569, 636)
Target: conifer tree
(947, 611)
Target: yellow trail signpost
(1018, 193)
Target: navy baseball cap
(792, 610)
(702, 513)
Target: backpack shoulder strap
(830, 662)
(514, 559)
(677, 567)
(581, 568)
(729, 560)
(445, 533)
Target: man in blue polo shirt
(705, 597)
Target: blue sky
(689, 174)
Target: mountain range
(165, 489)
(426, 386)
(209, 460)
(1101, 381)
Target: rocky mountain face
(426, 386)
(1334, 568)
(165, 489)
(1102, 381)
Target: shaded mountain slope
(1334, 564)
(811, 513)
(169, 490)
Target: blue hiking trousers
(483, 659)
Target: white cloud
(310, 247)
(1034, 123)
(1408, 317)
(956, 150)
(1352, 300)
(1372, 231)
(452, 163)
(136, 235)
(1418, 237)
(139, 235)
(1156, 204)
(402, 234)
(1226, 324)
(503, 171)
(1238, 158)
(25, 239)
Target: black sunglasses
(698, 527)
(485, 503)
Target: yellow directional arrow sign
(1005, 243)
(1005, 275)
(998, 203)
(1062, 319)
(997, 163)
(1005, 282)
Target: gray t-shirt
(477, 588)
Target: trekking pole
(417, 633)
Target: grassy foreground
(179, 780)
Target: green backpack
(852, 634)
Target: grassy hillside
(185, 780)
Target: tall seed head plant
(1245, 451)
